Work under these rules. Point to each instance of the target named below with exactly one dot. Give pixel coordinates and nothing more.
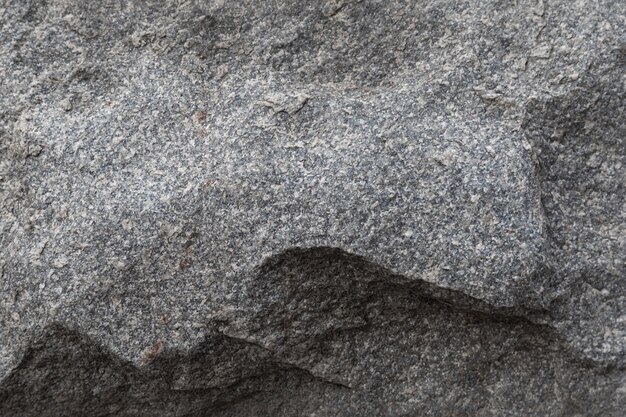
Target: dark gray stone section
(327, 334)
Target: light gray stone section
(378, 207)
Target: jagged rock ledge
(311, 347)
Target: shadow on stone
(324, 331)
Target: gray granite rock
(312, 208)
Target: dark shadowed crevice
(314, 344)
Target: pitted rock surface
(312, 208)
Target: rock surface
(342, 207)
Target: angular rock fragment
(294, 208)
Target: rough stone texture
(399, 208)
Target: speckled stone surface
(399, 208)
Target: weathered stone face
(340, 207)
